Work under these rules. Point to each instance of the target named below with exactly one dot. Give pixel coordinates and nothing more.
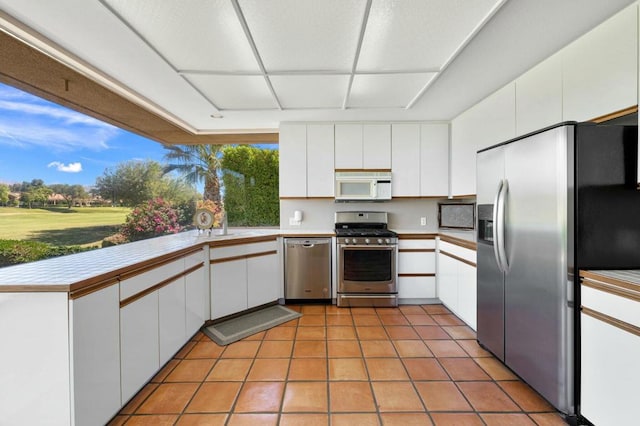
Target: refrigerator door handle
(496, 218)
(500, 225)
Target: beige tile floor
(412, 365)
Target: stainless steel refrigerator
(549, 204)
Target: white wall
(404, 214)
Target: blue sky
(42, 140)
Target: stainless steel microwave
(363, 186)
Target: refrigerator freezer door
(490, 280)
(537, 316)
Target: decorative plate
(203, 219)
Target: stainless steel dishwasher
(307, 264)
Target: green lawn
(84, 226)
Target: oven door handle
(370, 247)
(369, 296)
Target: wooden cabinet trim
(417, 236)
(618, 289)
(242, 241)
(459, 242)
(612, 321)
(299, 235)
(362, 170)
(460, 259)
(147, 267)
(307, 198)
(92, 288)
(615, 114)
(242, 256)
(418, 275)
(158, 286)
(595, 277)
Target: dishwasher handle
(307, 243)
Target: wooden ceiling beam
(32, 71)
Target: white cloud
(54, 136)
(28, 121)
(69, 168)
(66, 115)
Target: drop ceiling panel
(386, 90)
(305, 34)
(235, 92)
(310, 91)
(418, 34)
(202, 35)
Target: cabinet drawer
(417, 244)
(243, 249)
(618, 307)
(461, 252)
(135, 283)
(416, 287)
(417, 262)
(194, 259)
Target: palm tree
(197, 163)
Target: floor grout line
(359, 319)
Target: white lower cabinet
(95, 339)
(139, 340)
(416, 270)
(448, 281)
(457, 288)
(244, 276)
(610, 373)
(172, 327)
(262, 280)
(416, 288)
(467, 294)
(228, 287)
(196, 300)
(610, 350)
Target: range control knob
(379, 240)
(367, 241)
(346, 241)
(354, 241)
(388, 241)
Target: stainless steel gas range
(367, 258)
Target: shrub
(114, 240)
(13, 252)
(151, 219)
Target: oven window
(367, 265)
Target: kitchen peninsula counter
(75, 272)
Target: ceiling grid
(229, 66)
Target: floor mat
(232, 330)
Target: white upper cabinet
(600, 69)
(320, 160)
(434, 160)
(499, 117)
(487, 123)
(376, 146)
(349, 146)
(361, 146)
(539, 96)
(405, 160)
(293, 165)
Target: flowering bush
(151, 219)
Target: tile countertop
(626, 278)
(59, 273)
(66, 273)
(462, 235)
